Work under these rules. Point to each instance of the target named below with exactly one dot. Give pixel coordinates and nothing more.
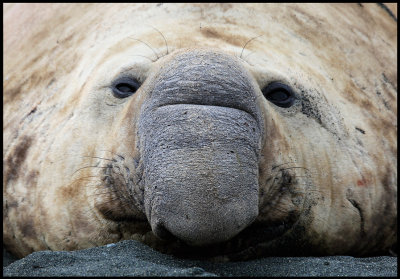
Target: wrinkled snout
(200, 141)
(201, 186)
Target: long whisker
(86, 168)
(246, 45)
(100, 158)
(274, 167)
(295, 168)
(146, 45)
(86, 178)
(244, 58)
(143, 56)
(162, 36)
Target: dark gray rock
(132, 258)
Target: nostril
(161, 231)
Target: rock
(132, 258)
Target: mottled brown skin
(327, 171)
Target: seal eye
(279, 94)
(125, 87)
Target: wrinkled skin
(197, 160)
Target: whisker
(100, 158)
(142, 56)
(113, 153)
(162, 36)
(86, 168)
(274, 167)
(146, 45)
(295, 168)
(244, 58)
(246, 45)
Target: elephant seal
(222, 130)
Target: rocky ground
(132, 258)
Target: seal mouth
(256, 240)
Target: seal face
(199, 147)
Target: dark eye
(125, 87)
(279, 94)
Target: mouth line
(248, 244)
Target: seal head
(209, 140)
